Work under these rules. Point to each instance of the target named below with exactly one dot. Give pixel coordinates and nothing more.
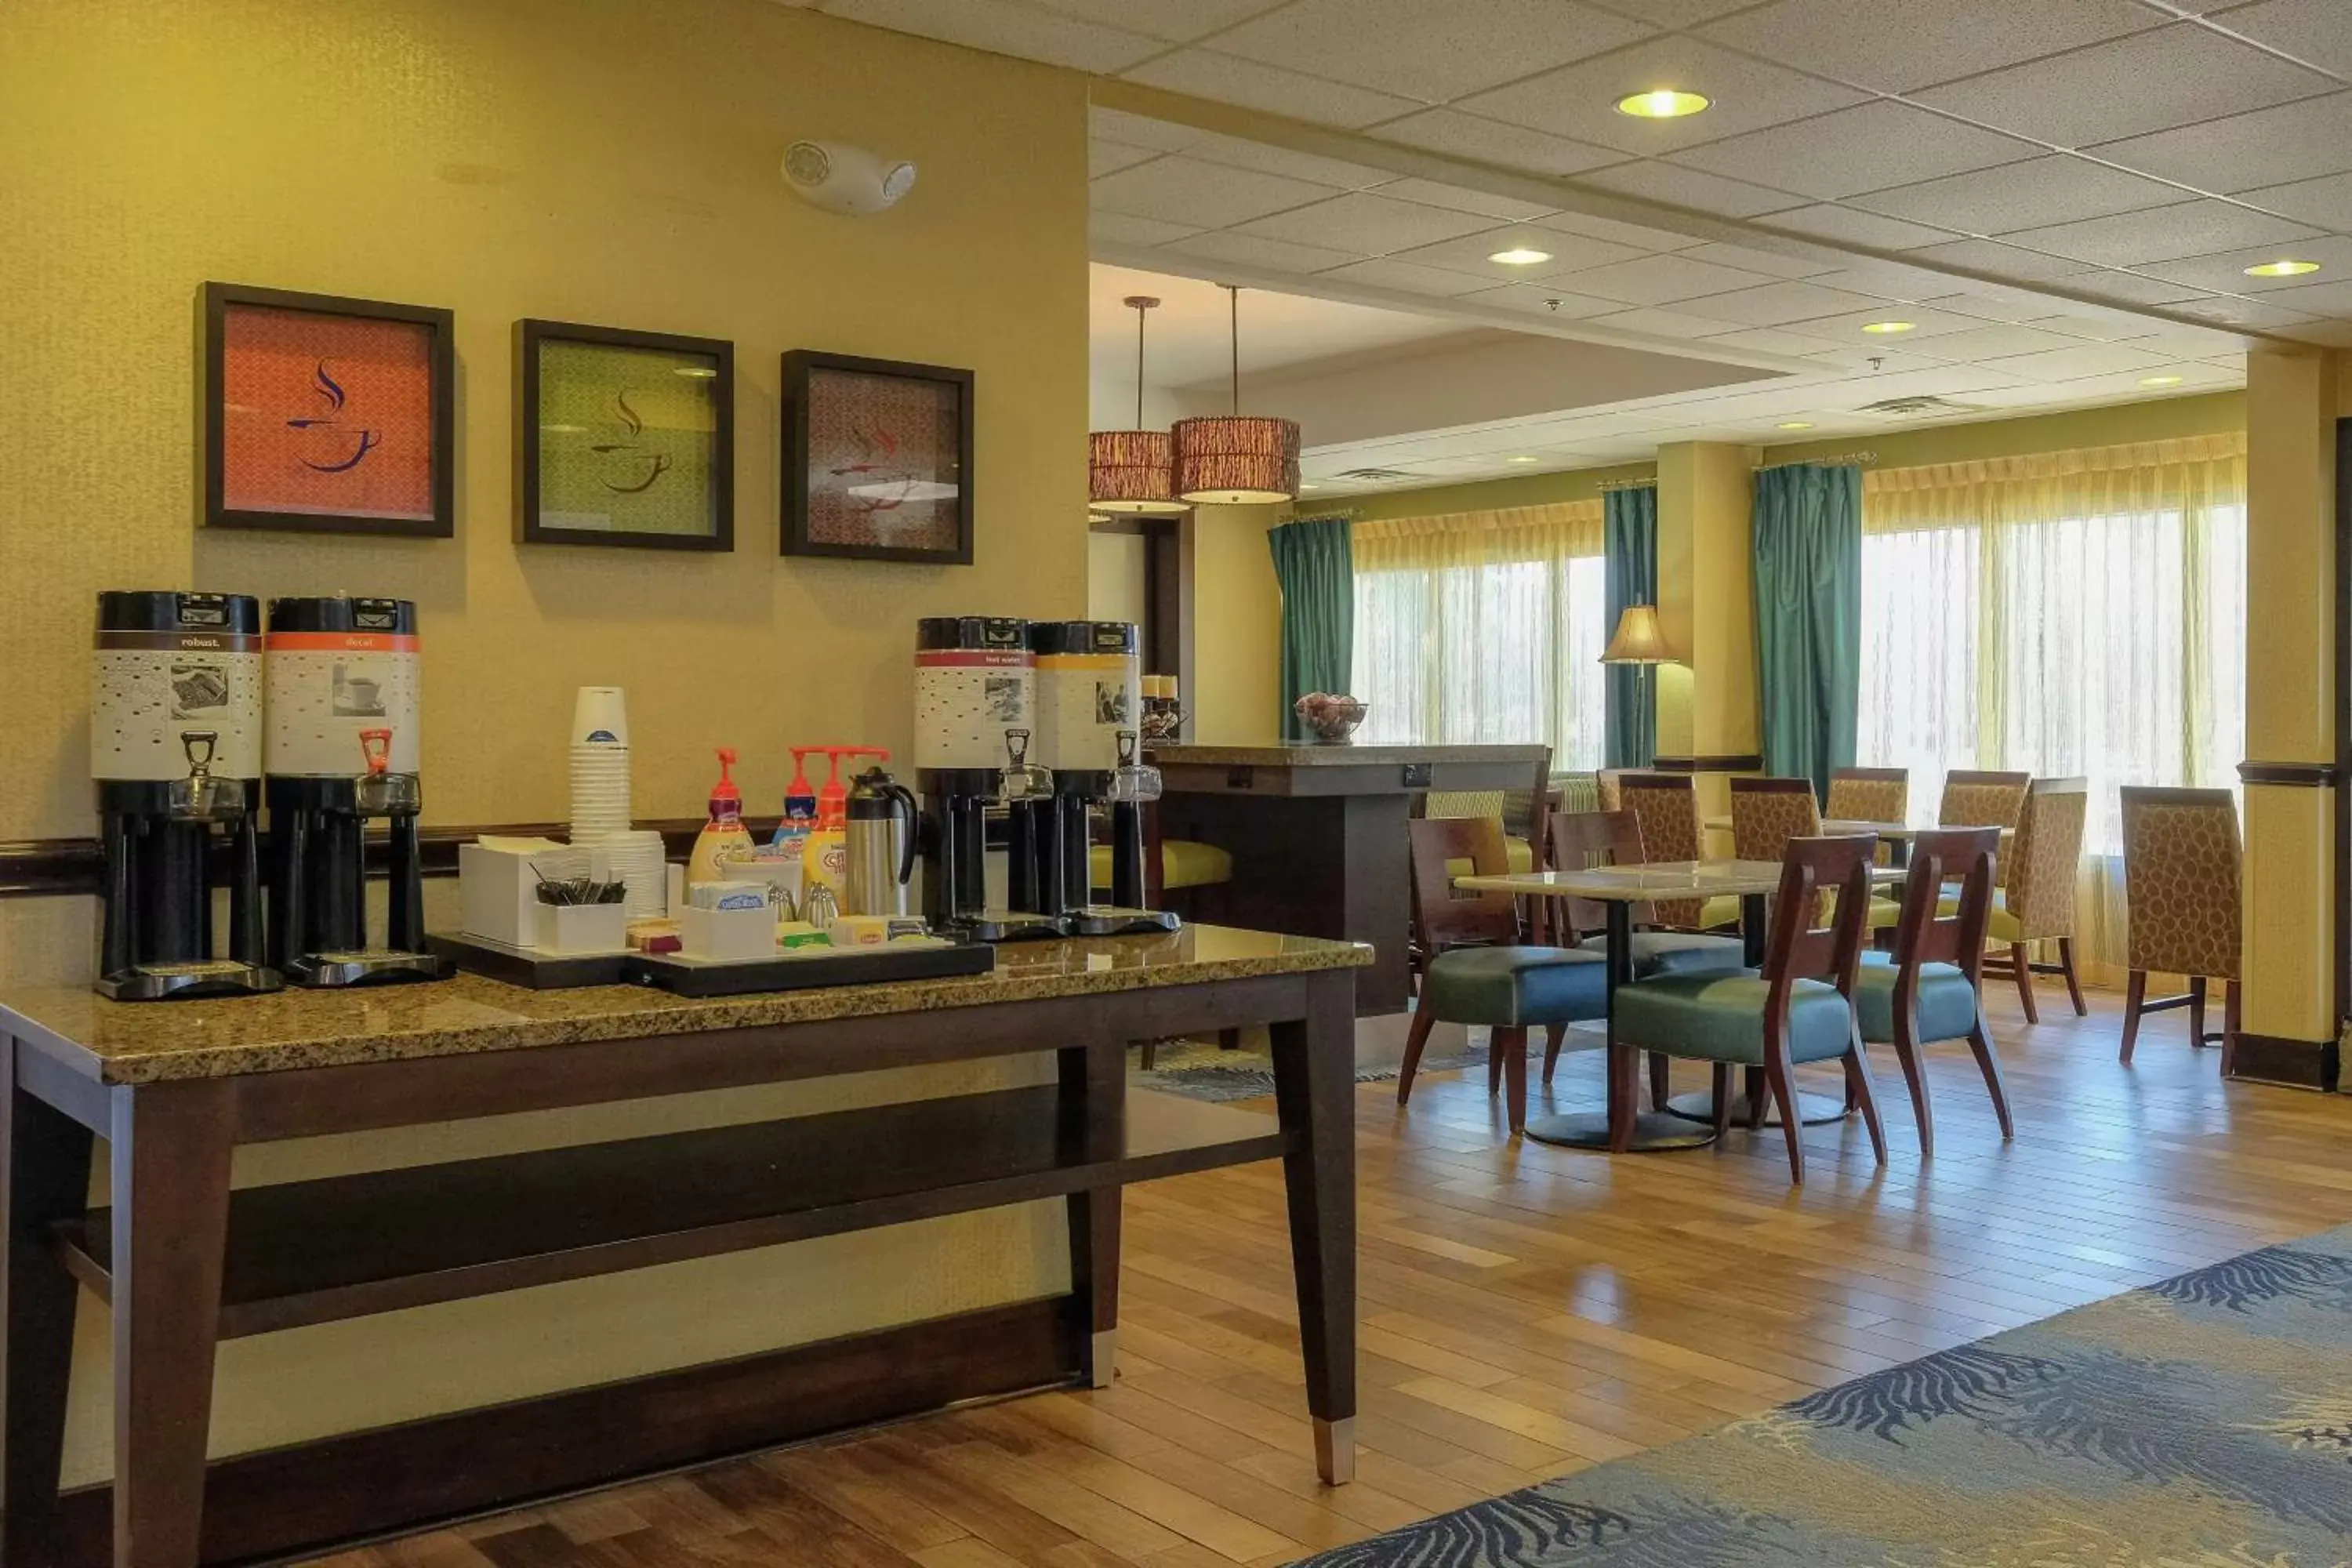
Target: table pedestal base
(1590, 1130)
(1812, 1109)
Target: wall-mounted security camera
(844, 179)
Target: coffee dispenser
(341, 676)
(1090, 704)
(175, 752)
(975, 690)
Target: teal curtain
(1808, 542)
(1315, 562)
(1630, 547)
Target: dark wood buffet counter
(185, 1262)
(1318, 834)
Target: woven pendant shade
(1129, 472)
(1236, 459)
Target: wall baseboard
(1749, 763)
(2300, 1064)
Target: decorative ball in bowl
(1329, 718)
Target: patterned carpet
(2203, 1423)
(1197, 1070)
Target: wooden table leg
(47, 1172)
(1094, 1099)
(170, 1165)
(1315, 1096)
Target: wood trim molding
(2294, 775)
(1749, 763)
(2299, 1064)
(310, 1497)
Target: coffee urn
(1089, 706)
(975, 694)
(176, 753)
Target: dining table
(1688, 1120)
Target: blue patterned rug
(2203, 1423)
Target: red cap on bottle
(726, 800)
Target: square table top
(1661, 880)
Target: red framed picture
(878, 460)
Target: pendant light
(1129, 471)
(1232, 460)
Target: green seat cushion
(1677, 953)
(1510, 985)
(1720, 1017)
(1946, 1005)
(1999, 926)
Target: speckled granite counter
(150, 1042)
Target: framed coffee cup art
(623, 437)
(878, 460)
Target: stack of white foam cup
(600, 799)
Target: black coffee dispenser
(1090, 704)
(175, 751)
(974, 691)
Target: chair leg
(2230, 1024)
(1752, 1085)
(1781, 1076)
(2073, 982)
(1660, 1080)
(2197, 1011)
(1493, 1061)
(1624, 1070)
(2019, 962)
(1151, 1055)
(1989, 1064)
(1722, 1102)
(1424, 1018)
(2135, 996)
(1915, 1078)
(1512, 1043)
(1555, 1036)
(1858, 1090)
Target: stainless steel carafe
(880, 838)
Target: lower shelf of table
(345, 1247)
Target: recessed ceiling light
(1796, 424)
(697, 372)
(2282, 268)
(1888, 329)
(1304, 486)
(2159, 381)
(1520, 256)
(1663, 103)
(1521, 458)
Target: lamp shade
(1638, 640)
(1236, 459)
(1132, 472)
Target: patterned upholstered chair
(1609, 788)
(1925, 990)
(1869, 794)
(2036, 902)
(1479, 970)
(2181, 866)
(1765, 813)
(1799, 1009)
(1977, 799)
(1488, 802)
(1575, 792)
(1666, 807)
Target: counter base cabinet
(185, 1262)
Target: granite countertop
(1277, 756)
(121, 1042)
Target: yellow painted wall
(602, 160)
(1236, 698)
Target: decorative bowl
(1330, 719)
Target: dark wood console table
(185, 1262)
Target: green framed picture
(623, 437)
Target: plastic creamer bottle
(723, 849)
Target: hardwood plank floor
(1527, 1312)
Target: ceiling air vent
(1919, 407)
(1375, 476)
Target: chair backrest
(1583, 839)
(1968, 857)
(1448, 916)
(1666, 805)
(1765, 813)
(1462, 802)
(2038, 881)
(2182, 871)
(1978, 799)
(1869, 794)
(1577, 792)
(1799, 947)
(1609, 788)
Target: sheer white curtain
(1483, 626)
(2069, 612)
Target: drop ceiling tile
(2267, 147)
(1236, 153)
(1178, 189)
(1660, 182)
(1252, 250)
(1118, 228)
(2132, 384)
(2225, 273)
(1005, 28)
(1866, 148)
(1109, 157)
(2313, 31)
(2104, 327)
(1988, 343)
(1891, 362)
(2224, 310)
(1138, 131)
(2129, 288)
(1580, 101)
(2076, 361)
(1660, 323)
(2049, 190)
(1775, 304)
(2008, 305)
(2176, 74)
(2331, 334)
(1770, 341)
(2190, 343)
(1178, 21)
(1660, 279)
(1853, 227)
(1991, 256)
(2325, 202)
(1925, 324)
(2332, 299)
(2163, 234)
(1387, 272)
(1434, 53)
(1886, 281)
(1672, 13)
(1772, 263)
(1228, 78)
(1367, 223)
(1463, 135)
(1462, 199)
(1896, 46)
(1639, 236)
(1569, 253)
(1538, 299)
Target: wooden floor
(1526, 1311)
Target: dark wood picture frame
(215, 301)
(531, 335)
(798, 365)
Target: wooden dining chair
(1479, 970)
(1799, 1009)
(1666, 805)
(1927, 989)
(1868, 795)
(1974, 798)
(2036, 899)
(1765, 813)
(2181, 871)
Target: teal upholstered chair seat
(1720, 1017)
(1677, 953)
(1947, 1003)
(1511, 986)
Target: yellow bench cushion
(1183, 863)
(1999, 926)
(1523, 858)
